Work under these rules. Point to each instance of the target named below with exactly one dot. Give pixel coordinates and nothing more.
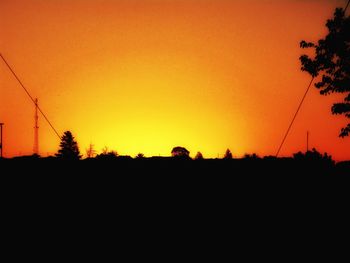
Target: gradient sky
(148, 75)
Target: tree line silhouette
(69, 150)
(310, 164)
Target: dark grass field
(167, 198)
(158, 170)
(124, 165)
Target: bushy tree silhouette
(314, 163)
(140, 156)
(252, 156)
(332, 61)
(199, 156)
(228, 154)
(180, 152)
(107, 155)
(68, 147)
(314, 155)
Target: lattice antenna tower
(36, 129)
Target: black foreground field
(258, 168)
(136, 190)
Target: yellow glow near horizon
(153, 108)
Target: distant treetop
(180, 152)
(140, 156)
(199, 156)
(107, 155)
(228, 154)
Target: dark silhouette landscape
(311, 165)
(328, 59)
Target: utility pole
(36, 130)
(1, 144)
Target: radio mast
(36, 130)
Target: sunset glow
(143, 76)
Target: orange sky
(148, 75)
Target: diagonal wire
(19, 81)
(346, 7)
(295, 115)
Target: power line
(346, 6)
(295, 115)
(19, 81)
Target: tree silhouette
(68, 147)
(252, 156)
(314, 155)
(332, 61)
(228, 154)
(180, 152)
(107, 155)
(199, 156)
(140, 156)
(90, 152)
(105, 150)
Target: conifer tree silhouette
(68, 147)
